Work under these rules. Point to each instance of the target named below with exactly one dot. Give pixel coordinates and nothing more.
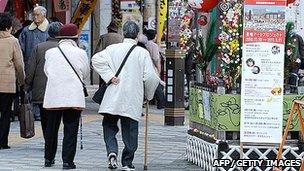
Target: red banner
(2, 5)
(62, 5)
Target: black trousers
(71, 124)
(43, 116)
(129, 131)
(6, 102)
(159, 96)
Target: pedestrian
(154, 52)
(35, 76)
(64, 97)
(11, 69)
(142, 41)
(108, 39)
(123, 98)
(30, 37)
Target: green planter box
(225, 110)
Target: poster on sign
(263, 71)
(2, 5)
(62, 5)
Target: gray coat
(35, 76)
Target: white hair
(41, 9)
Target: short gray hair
(41, 9)
(54, 29)
(130, 30)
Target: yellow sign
(162, 15)
(83, 12)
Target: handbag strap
(71, 65)
(124, 61)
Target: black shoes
(5, 147)
(128, 168)
(67, 166)
(49, 163)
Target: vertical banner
(263, 71)
(161, 18)
(2, 5)
(83, 12)
(62, 5)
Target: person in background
(16, 100)
(142, 41)
(64, 97)
(35, 76)
(11, 69)
(30, 37)
(155, 56)
(112, 37)
(121, 102)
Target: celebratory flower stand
(214, 132)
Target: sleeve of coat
(151, 79)
(86, 66)
(18, 63)
(156, 57)
(101, 64)
(30, 70)
(22, 40)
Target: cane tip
(145, 167)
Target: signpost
(263, 71)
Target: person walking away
(30, 37)
(64, 97)
(154, 52)
(11, 69)
(123, 98)
(35, 76)
(112, 37)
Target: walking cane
(146, 136)
(81, 144)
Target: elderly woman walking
(11, 68)
(35, 76)
(66, 67)
(123, 99)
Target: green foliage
(208, 47)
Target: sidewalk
(166, 147)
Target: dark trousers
(159, 96)
(43, 116)
(6, 102)
(71, 124)
(129, 131)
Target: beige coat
(11, 63)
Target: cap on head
(112, 26)
(68, 31)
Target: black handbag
(85, 91)
(26, 117)
(98, 96)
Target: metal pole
(81, 144)
(146, 137)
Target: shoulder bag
(83, 84)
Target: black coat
(35, 76)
